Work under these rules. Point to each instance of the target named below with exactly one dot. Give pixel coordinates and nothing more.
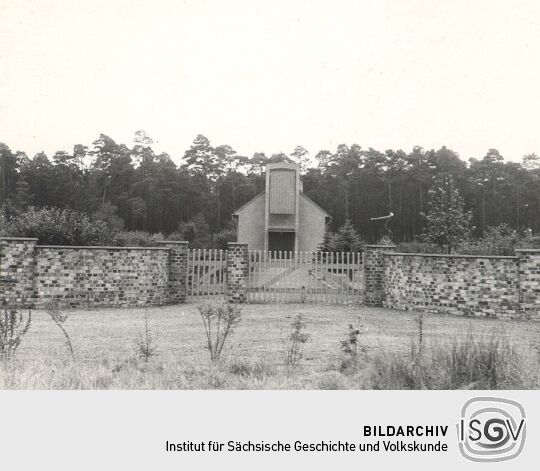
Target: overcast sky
(267, 76)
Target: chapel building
(282, 218)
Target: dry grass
(103, 340)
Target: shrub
(350, 349)
(332, 380)
(469, 362)
(219, 323)
(175, 236)
(418, 247)
(145, 347)
(499, 240)
(533, 242)
(13, 327)
(108, 214)
(138, 239)
(3, 222)
(396, 371)
(196, 231)
(59, 317)
(294, 343)
(56, 226)
(257, 370)
(223, 237)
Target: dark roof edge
(235, 213)
(314, 204)
(309, 200)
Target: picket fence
(277, 277)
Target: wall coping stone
(380, 246)
(528, 250)
(98, 247)
(407, 254)
(172, 242)
(19, 238)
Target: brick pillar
(178, 264)
(17, 267)
(374, 274)
(237, 272)
(529, 281)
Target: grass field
(103, 340)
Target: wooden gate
(207, 274)
(306, 277)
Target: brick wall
(237, 272)
(453, 284)
(91, 276)
(374, 274)
(529, 279)
(102, 276)
(17, 263)
(121, 276)
(177, 276)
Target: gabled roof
(260, 195)
(245, 205)
(309, 200)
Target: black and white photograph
(274, 196)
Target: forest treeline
(145, 190)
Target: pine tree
(327, 241)
(346, 239)
(301, 157)
(23, 195)
(448, 223)
(201, 157)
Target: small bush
(396, 371)
(13, 327)
(107, 213)
(138, 239)
(332, 380)
(250, 370)
(500, 240)
(196, 231)
(56, 226)
(533, 242)
(175, 236)
(418, 247)
(469, 362)
(145, 347)
(351, 350)
(59, 317)
(219, 323)
(478, 363)
(420, 331)
(223, 237)
(294, 343)
(199, 237)
(3, 222)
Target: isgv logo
(491, 429)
